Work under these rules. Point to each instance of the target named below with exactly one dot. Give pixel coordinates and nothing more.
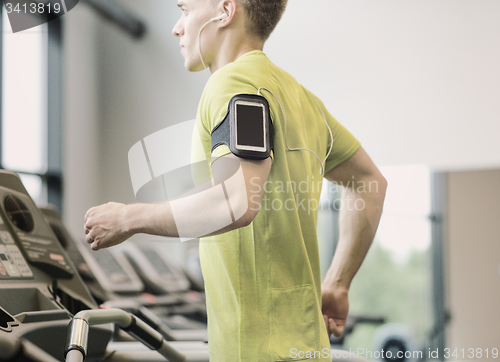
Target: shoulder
(247, 71)
(244, 76)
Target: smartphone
(250, 126)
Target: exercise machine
(161, 275)
(114, 283)
(41, 293)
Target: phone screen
(250, 125)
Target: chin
(190, 68)
(193, 67)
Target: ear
(230, 8)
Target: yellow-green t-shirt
(263, 283)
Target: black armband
(247, 128)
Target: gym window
(30, 117)
(402, 278)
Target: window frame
(438, 248)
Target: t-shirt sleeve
(222, 86)
(344, 143)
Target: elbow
(244, 213)
(382, 189)
(377, 187)
(383, 184)
(244, 221)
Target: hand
(335, 307)
(106, 225)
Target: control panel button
(19, 260)
(57, 257)
(8, 263)
(6, 237)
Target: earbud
(222, 16)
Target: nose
(177, 30)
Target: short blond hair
(262, 15)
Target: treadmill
(41, 292)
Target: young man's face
(195, 13)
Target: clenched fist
(335, 307)
(106, 225)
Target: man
(265, 300)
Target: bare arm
(362, 200)
(227, 205)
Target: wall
(119, 90)
(474, 258)
(81, 122)
(144, 88)
(415, 81)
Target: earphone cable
(199, 47)
(322, 164)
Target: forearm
(357, 230)
(197, 215)
(153, 219)
(210, 209)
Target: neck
(233, 47)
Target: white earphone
(222, 16)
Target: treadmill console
(12, 262)
(39, 286)
(20, 218)
(156, 268)
(105, 271)
(113, 271)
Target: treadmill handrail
(79, 327)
